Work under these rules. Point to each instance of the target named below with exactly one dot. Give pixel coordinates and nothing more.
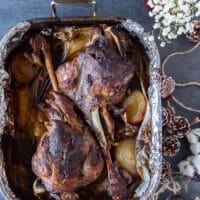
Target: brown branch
(39, 44)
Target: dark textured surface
(183, 68)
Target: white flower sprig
(173, 17)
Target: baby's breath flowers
(173, 17)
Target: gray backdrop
(182, 68)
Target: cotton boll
(196, 163)
(182, 165)
(196, 132)
(195, 148)
(186, 168)
(189, 158)
(189, 171)
(192, 138)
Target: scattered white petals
(162, 44)
(151, 38)
(156, 25)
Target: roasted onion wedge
(76, 39)
(125, 155)
(23, 71)
(135, 105)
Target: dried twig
(40, 44)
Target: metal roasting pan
(17, 36)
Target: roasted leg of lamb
(96, 78)
(99, 75)
(67, 157)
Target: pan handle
(93, 3)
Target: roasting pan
(18, 35)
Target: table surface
(185, 68)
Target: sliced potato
(135, 105)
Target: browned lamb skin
(67, 157)
(97, 75)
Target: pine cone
(167, 114)
(166, 171)
(171, 146)
(167, 86)
(175, 197)
(194, 36)
(178, 126)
